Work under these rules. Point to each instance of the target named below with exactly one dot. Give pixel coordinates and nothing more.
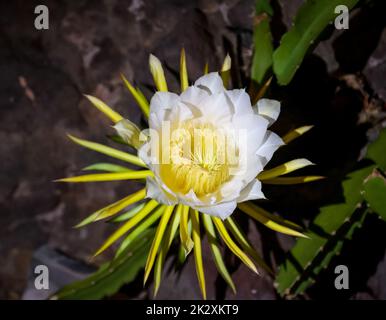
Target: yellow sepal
(138, 96)
(293, 134)
(284, 168)
(157, 241)
(183, 71)
(103, 107)
(158, 73)
(232, 245)
(99, 177)
(149, 207)
(114, 153)
(261, 216)
(186, 240)
(198, 251)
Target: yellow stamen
(197, 160)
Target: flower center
(197, 159)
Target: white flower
(203, 177)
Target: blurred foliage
(311, 19)
(364, 192)
(375, 195)
(262, 39)
(112, 275)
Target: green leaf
(128, 225)
(263, 6)
(181, 255)
(216, 252)
(262, 40)
(129, 214)
(310, 21)
(376, 150)
(331, 227)
(165, 245)
(375, 195)
(111, 276)
(146, 224)
(335, 224)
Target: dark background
(340, 87)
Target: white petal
(248, 169)
(211, 82)
(193, 95)
(250, 122)
(156, 192)
(252, 128)
(162, 105)
(221, 210)
(163, 100)
(190, 198)
(181, 113)
(232, 188)
(240, 100)
(144, 153)
(271, 143)
(251, 191)
(216, 108)
(149, 156)
(269, 109)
